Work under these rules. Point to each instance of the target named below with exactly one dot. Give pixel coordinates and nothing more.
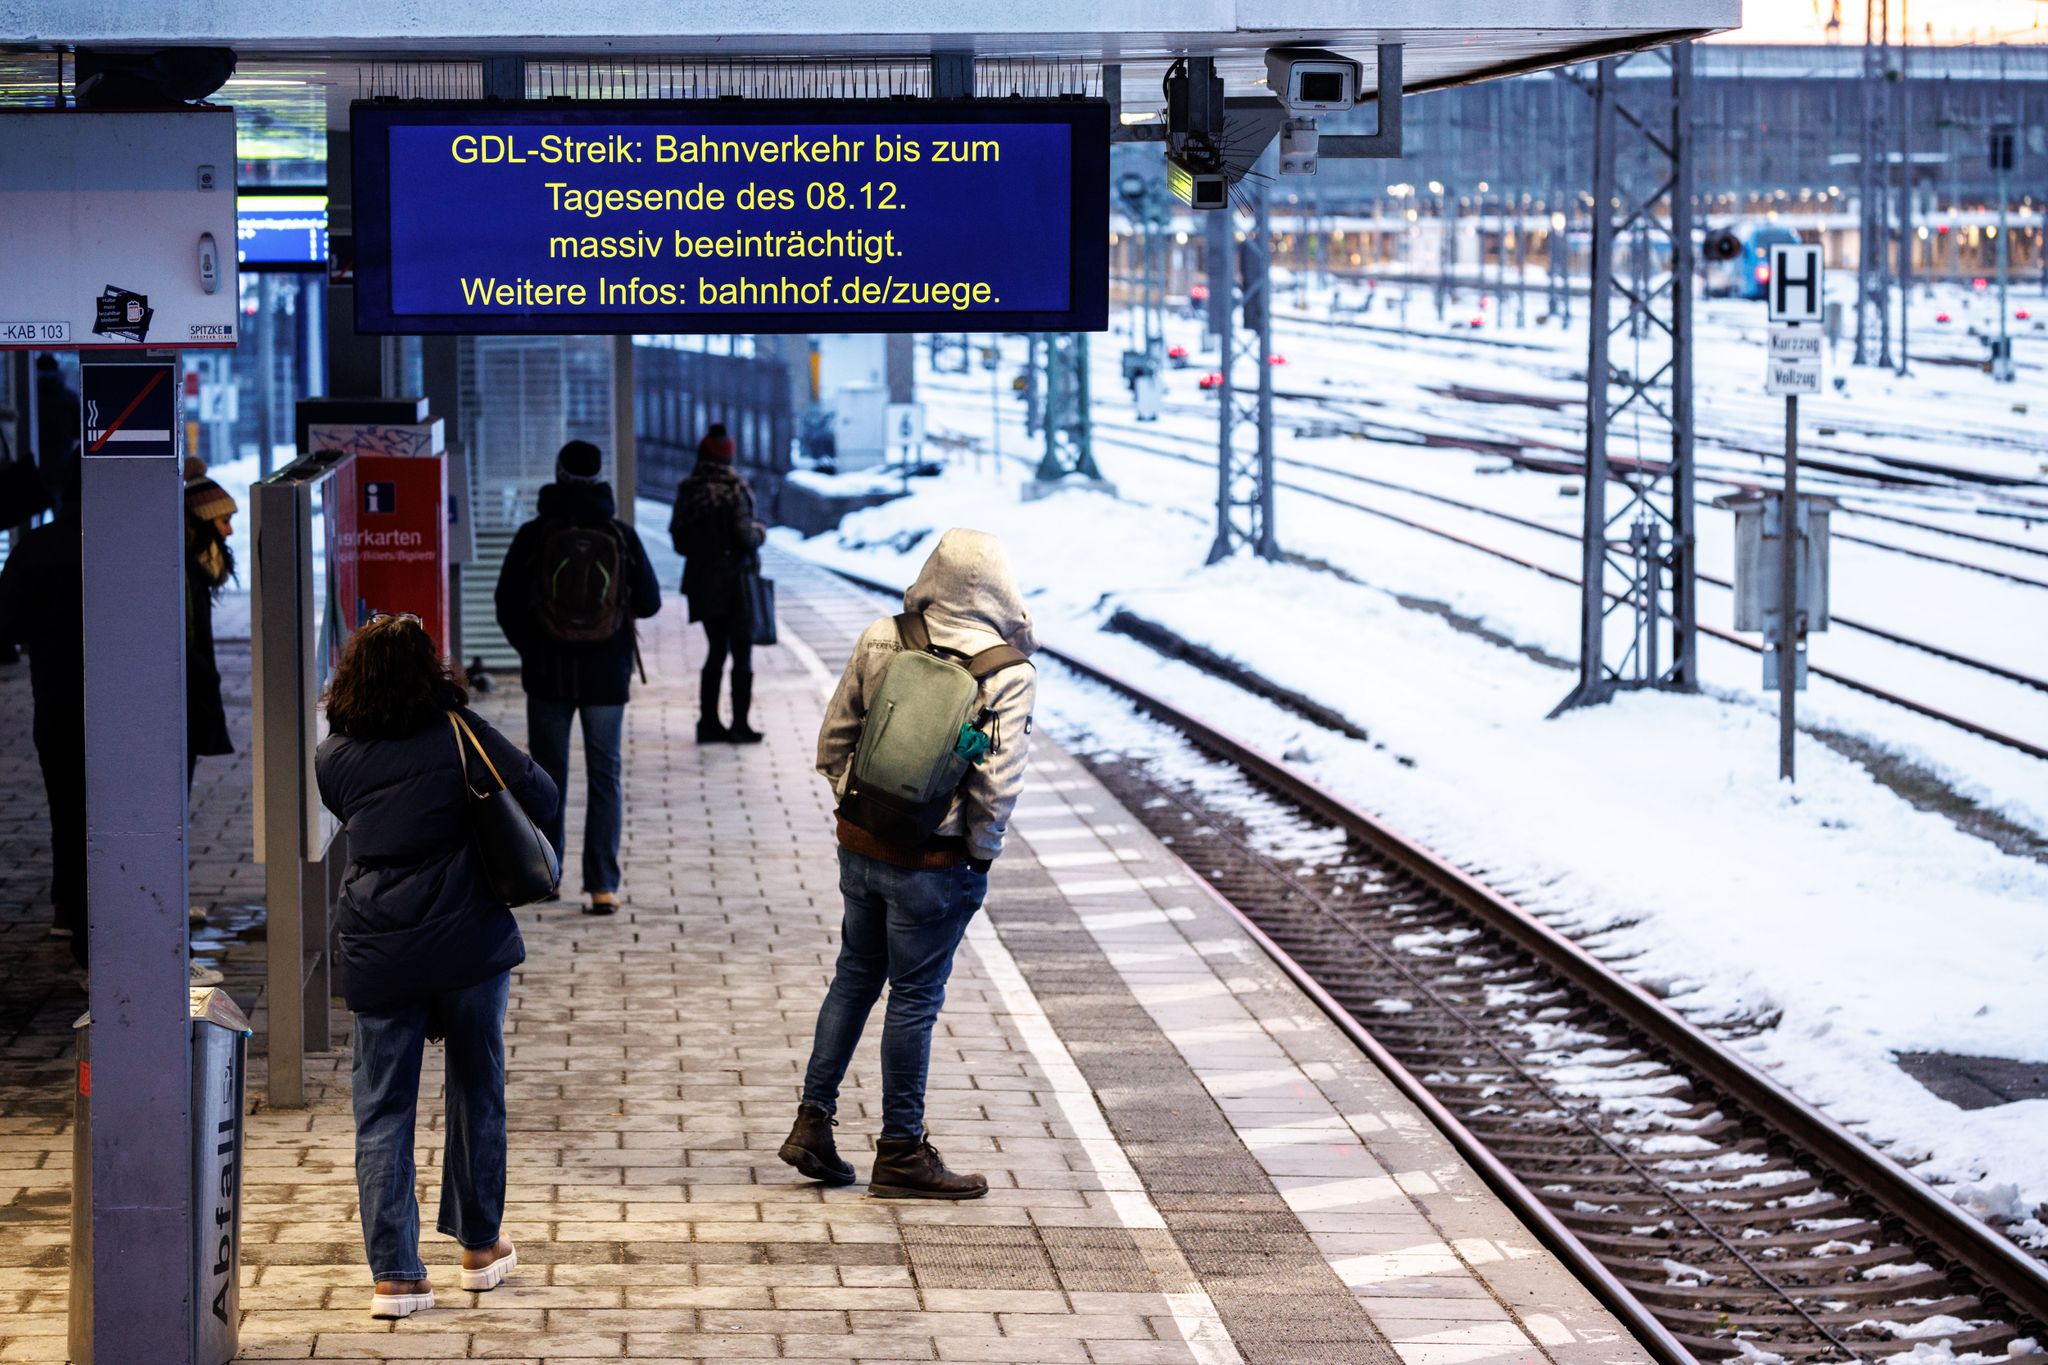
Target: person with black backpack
(574, 582)
(924, 744)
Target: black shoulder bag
(519, 863)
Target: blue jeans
(547, 738)
(902, 927)
(386, 1084)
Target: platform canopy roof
(1447, 41)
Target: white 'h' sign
(1797, 284)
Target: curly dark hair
(391, 683)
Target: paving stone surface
(1187, 1162)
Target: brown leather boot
(809, 1147)
(911, 1168)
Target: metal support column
(140, 1086)
(1069, 440)
(625, 436)
(1244, 472)
(1906, 230)
(1637, 608)
(1873, 283)
(1034, 389)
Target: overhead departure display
(734, 216)
(281, 231)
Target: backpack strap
(912, 631)
(994, 660)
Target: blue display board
(281, 231)
(787, 216)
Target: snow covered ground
(1653, 829)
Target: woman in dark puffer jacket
(424, 948)
(713, 528)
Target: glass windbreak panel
(324, 653)
(525, 398)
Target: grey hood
(966, 585)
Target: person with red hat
(714, 530)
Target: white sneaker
(399, 1305)
(492, 1275)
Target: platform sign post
(140, 1083)
(1796, 304)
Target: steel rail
(1964, 1240)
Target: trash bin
(220, 1055)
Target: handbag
(519, 863)
(760, 595)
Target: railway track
(1527, 523)
(1996, 736)
(1544, 457)
(1711, 1210)
(1844, 482)
(1850, 681)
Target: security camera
(1313, 80)
(1197, 186)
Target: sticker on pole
(1797, 290)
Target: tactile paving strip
(944, 1256)
(1274, 1291)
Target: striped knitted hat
(204, 499)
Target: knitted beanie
(579, 462)
(205, 500)
(716, 445)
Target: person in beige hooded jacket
(907, 907)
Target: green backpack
(924, 728)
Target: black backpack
(580, 589)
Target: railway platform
(1187, 1160)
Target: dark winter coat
(42, 609)
(416, 916)
(206, 719)
(714, 530)
(57, 431)
(595, 674)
